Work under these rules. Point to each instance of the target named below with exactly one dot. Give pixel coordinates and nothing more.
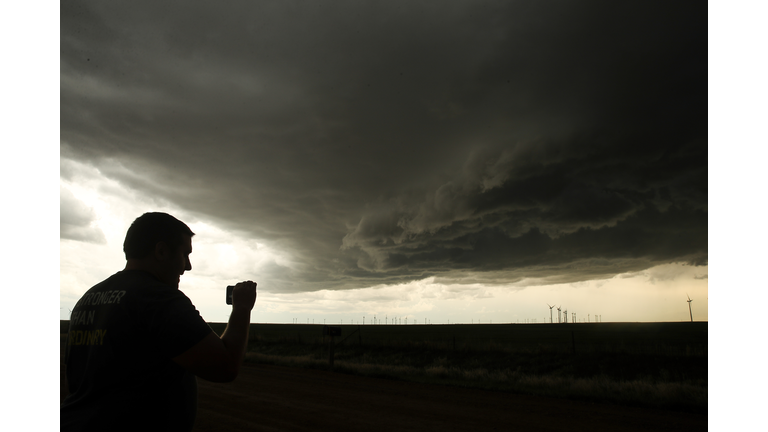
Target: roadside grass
(674, 379)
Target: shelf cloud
(386, 142)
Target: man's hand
(217, 358)
(244, 296)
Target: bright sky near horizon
(458, 161)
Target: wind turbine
(558, 314)
(689, 306)
(550, 313)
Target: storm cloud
(384, 142)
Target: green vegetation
(661, 365)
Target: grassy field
(661, 365)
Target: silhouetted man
(136, 342)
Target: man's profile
(136, 343)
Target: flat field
(679, 338)
(661, 365)
(650, 365)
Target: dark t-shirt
(123, 333)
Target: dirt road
(272, 398)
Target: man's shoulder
(131, 287)
(136, 279)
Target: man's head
(161, 244)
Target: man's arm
(218, 359)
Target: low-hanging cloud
(513, 210)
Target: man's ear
(161, 251)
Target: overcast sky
(466, 159)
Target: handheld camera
(229, 294)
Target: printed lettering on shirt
(88, 337)
(83, 317)
(100, 298)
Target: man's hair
(149, 229)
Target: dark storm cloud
(385, 141)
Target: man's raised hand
(244, 295)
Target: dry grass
(659, 391)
